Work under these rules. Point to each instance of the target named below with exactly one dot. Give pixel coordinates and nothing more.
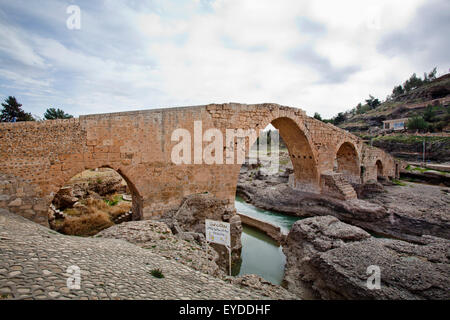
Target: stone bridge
(38, 158)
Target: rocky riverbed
(401, 228)
(401, 211)
(329, 259)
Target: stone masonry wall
(138, 145)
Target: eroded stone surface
(328, 259)
(110, 268)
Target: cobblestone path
(34, 261)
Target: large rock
(402, 213)
(64, 198)
(190, 218)
(157, 237)
(328, 259)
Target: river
(260, 254)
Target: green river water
(260, 254)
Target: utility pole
(423, 156)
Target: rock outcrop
(395, 213)
(328, 259)
(157, 237)
(189, 221)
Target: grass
(114, 200)
(411, 139)
(94, 217)
(157, 273)
(398, 182)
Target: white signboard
(218, 232)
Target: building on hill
(395, 124)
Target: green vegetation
(157, 273)
(12, 111)
(317, 116)
(421, 170)
(373, 107)
(417, 123)
(114, 201)
(52, 113)
(398, 182)
(410, 139)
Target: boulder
(191, 215)
(65, 198)
(328, 259)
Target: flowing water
(260, 254)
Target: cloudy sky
(321, 56)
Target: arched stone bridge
(38, 158)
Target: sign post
(219, 232)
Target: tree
(429, 114)
(412, 83)
(430, 76)
(12, 111)
(339, 118)
(417, 123)
(52, 113)
(398, 90)
(372, 102)
(317, 116)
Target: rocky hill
(429, 101)
(435, 93)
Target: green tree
(317, 116)
(417, 123)
(52, 113)
(412, 83)
(12, 110)
(339, 118)
(398, 90)
(430, 76)
(429, 114)
(372, 102)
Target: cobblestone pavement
(34, 261)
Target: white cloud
(131, 55)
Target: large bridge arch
(305, 176)
(347, 161)
(137, 199)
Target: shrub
(86, 225)
(417, 123)
(157, 273)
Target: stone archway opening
(347, 163)
(379, 166)
(282, 153)
(266, 182)
(304, 176)
(93, 200)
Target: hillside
(406, 105)
(428, 101)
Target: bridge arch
(300, 148)
(305, 176)
(136, 198)
(347, 162)
(379, 168)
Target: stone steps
(334, 184)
